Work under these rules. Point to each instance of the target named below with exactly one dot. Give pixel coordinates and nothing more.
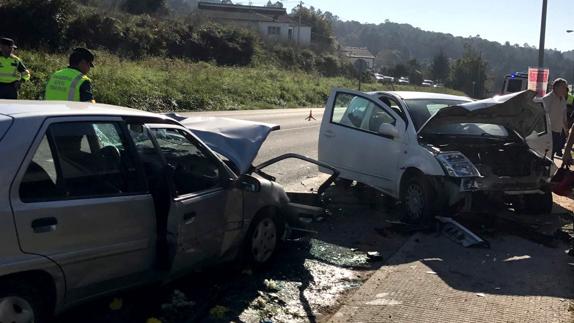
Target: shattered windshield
(422, 109)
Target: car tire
(534, 204)
(417, 200)
(262, 239)
(21, 303)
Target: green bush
(95, 30)
(37, 23)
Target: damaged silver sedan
(96, 199)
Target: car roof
(29, 108)
(409, 95)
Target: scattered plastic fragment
(480, 294)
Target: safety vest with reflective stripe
(9, 69)
(64, 85)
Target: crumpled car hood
(516, 111)
(237, 140)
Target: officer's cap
(8, 42)
(84, 54)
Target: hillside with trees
(402, 45)
(149, 58)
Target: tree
(469, 73)
(37, 23)
(440, 67)
(139, 7)
(277, 4)
(415, 73)
(321, 31)
(399, 70)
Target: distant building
(356, 53)
(273, 23)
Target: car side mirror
(248, 183)
(388, 130)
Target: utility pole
(299, 23)
(542, 35)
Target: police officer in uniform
(12, 70)
(72, 83)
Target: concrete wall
(304, 36)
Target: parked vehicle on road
(427, 83)
(97, 198)
(437, 151)
(515, 82)
(404, 81)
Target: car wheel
(262, 239)
(416, 200)
(536, 203)
(20, 303)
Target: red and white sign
(538, 80)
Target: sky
(516, 21)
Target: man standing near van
(12, 70)
(72, 83)
(555, 105)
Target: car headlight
(457, 165)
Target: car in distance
(434, 152)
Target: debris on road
(374, 256)
(271, 285)
(460, 234)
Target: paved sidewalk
(432, 279)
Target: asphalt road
(297, 135)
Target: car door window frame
(43, 132)
(226, 173)
(401, 106)
(371, 101)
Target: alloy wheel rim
(264, 240)
(14, 309)
(415, 201)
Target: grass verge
(162, 84)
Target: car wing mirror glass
(387, 129)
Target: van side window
(81, 160)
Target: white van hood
(516, 111)
(237, 140)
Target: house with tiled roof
(356, 53)
(273, 23)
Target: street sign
(538, 80)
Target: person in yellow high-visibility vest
(72, 83)
(12, 70)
